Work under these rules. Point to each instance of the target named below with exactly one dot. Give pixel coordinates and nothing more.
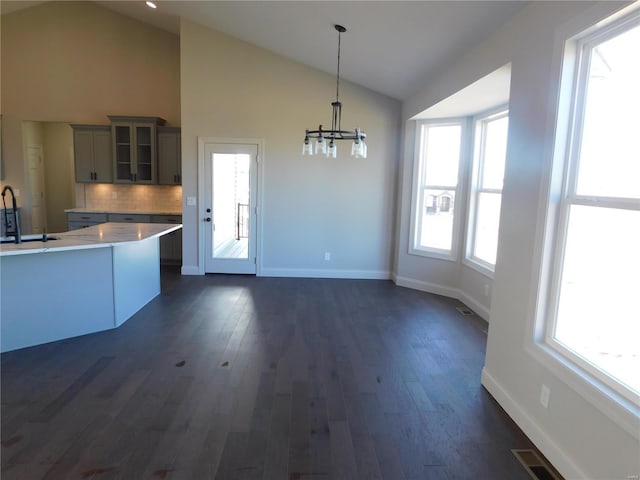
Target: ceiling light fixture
(325, 139)
(151, 4)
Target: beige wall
(59, 173)
(309, 205)
(78, 62)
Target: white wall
(309, 205)
(577, 434)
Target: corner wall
(581, 439)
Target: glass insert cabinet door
(134, 149)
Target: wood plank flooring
(238, 377)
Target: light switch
(191, 201)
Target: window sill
(440, 255)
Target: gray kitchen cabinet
(169, 156)
(170, 244)
(77, 220)
(134, 149)
(92, 153)
(129, 218)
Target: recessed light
(151, 4)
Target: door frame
(202, 142)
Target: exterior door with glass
(230, 207)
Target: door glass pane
(143, 142)
(123, 152)
(231, 205)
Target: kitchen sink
(28, 238)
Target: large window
(485, 199)
(593, 317)
(434, 223)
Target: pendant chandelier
(325, 139)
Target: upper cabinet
(169, 156)
(92, 151)
(134, 148)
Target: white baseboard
(428, 287)
(476, 306)
(190, 270)
(321, 273)
(567, 468)
(445, 291)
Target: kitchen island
(78, 282)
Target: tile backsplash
(129, 197)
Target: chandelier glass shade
(325, 140)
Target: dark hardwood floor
(238, 377)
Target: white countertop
(98, 236)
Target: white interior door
(230, 207)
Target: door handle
(208, 219)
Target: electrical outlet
(327, 256)
(545, 393)
(191, 201)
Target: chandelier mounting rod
(340, 30)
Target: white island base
(61, 292)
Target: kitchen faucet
(16, 222)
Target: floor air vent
(537, 468)
(465, 311)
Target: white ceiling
(390, 46)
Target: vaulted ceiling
(391, 47)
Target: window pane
(610, 149)
(495, 151)
(441, 154)
(597, 316)
(487, 226)
(437, 219)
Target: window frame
(477, 163)
(582, 47)
(418, 188)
